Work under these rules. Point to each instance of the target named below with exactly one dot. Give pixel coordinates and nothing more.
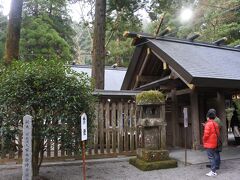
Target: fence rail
(114, 133)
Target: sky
(6, 6)
(74, 11)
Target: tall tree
(40, 39)
(46, 31)
(3, 28)
(13, 32)
(98, 61)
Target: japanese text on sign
(27, 148)
(84, 126)
(185, 117)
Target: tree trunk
(98, 62)
(13, 32)
(37, 146)
(36, 9)
(35, 156)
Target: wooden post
(202, 113)
(114, 127)
(96, 127)
(185, 143)
(222, 116)
(120, 127)
(185, 118)
(107, 119)
(132, 127)
(83, 158)
(126, 126)
(174, 118)
(84, 138)
(101, 133)
(163, 128)
(195, 120)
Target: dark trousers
(214, 158)
(218, 159)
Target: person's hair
(211, 113)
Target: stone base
(148, 166)
(152, 155)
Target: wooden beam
(161, 59)
(183, 91)
(142, 78)
(142, 67)
(165, 66)
(191, 86)
(173, 75)
(154, 83)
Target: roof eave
(216, 82)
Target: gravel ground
(230, 170)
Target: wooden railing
(113, 134)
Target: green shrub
(53, 94)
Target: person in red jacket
(211, 131)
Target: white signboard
(84, 126)
(27, 148)
(185, 117)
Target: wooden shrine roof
(194, 63)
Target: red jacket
(210, 136)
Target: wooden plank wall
(115, 130)
(114, 134)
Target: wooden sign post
(27, 148)
(84, 138)
(185, 118)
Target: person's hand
(203, 124)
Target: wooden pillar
(195, 120)
(202, 115)
(222, 116)
(163, 135)
(174, 117)
(101, 126)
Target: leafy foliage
(121, 16)
(218, 19)
(53, 94)
(120, 51)
(40, 39)
(46, 30)
(213, 19)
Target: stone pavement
(198, 157)
(119, 168)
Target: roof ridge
(106, 67)
(204, 44)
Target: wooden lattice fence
(114, 133)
